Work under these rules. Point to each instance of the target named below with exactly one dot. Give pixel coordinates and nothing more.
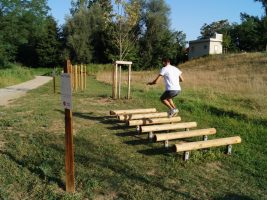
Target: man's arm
(181, 79)
(155, 81)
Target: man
(172, 77)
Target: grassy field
(112, 162)
(16, 74)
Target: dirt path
(16, 91)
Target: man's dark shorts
(168, 94)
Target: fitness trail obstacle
(116, 86)
(183, 134)
(150, 121)
(189, 146)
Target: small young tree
(125, 29)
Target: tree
(20, 21)
(157, 38)
(126, 27)
(78, 33)
(264, 4)
(249, 33)
(87, 31)
(48, 45)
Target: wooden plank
(148, 121)
(142, 116)
(132, 111)
(164, 127)
(207, 144)
(184, 134)
(121, 62)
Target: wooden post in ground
(69, 156)
(129, 81)
(54, 80)
(75, 78)
(119, 93)
(82, 77)
(115, 80)
(85, 77)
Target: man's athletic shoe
(173, 112)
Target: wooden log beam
(184, 134)
(132, 111)
(207, 144)
(147, 121)
(121, 62)
(165, 127)
(142, 116)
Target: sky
(185, 15)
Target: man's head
(165, 61)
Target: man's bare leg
(167, 103)
(171, 103)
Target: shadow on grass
(233, 197)
(35, 170)
(229, 113)
(123, 172)
(156, 151)
(126, 134)
(91, 116)
(137, 142)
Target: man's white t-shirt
(171, 76)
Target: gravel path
(16, 91)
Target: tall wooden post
(69, 156)
(119, 92)
(85, 77)
(82, 77)
(129, 81)
(76, 78)
(115, 81)
(54, 80)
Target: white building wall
(198, 49)
(215, 47)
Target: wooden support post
(115, 81)
(75, 78)
(132, 111)
(119, 92)
(165, 127)
(54, 80)
(129, 82)
(80, 75)
(147, 121)
(69, 156)
(85, 77)
(82, 87)
(207, 144)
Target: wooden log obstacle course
(150, 121)
(116, 85)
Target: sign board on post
(66, 91)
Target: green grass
(16, 74)
(111, 162)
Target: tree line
(99, 31)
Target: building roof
(218, 38)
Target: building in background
(202, 47)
